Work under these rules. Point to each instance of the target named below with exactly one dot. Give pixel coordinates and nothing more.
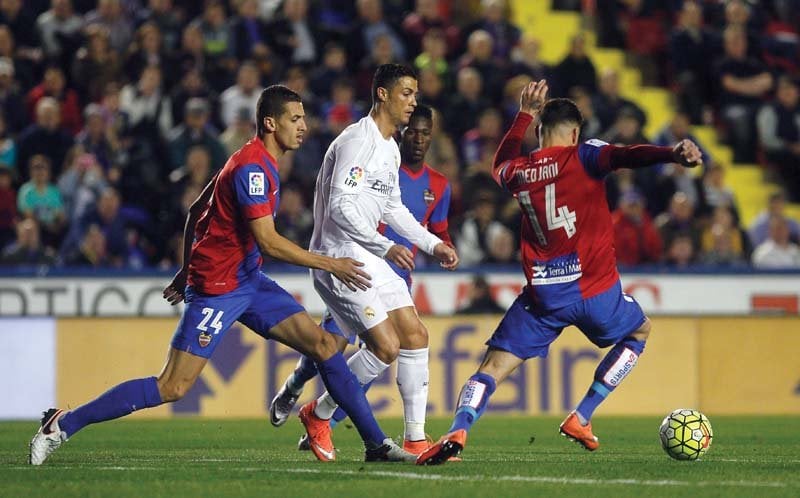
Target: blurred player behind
(568, 258)
(426, 193)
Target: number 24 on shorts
(215, 324)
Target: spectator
(334, 67)
(195, 130)
(44, 137)
(723, 243)
(369, 25)
(432, 89)
(109, 15)
(480, 233)
(105, 216)
(482, 139)
(8, 148)
(54, 85)
(99, 140)
(148, 110)
(466, 104)
(716, 193)
(480, 299)
(591, 127)
(92, 251)
(608, 103)
(41, 200)
(776, 206)
(743, 82)
(691, 48)
(576, 69)
(426, 15)
(294, 33)
(777, 251)
(216, 35)
(778, 125)
(635, 236)
(95, 66)
(195, 174)
(525, 60)
(244, 94)
(242, 130)
(161, 13)
(190, 86)
(678, 221)
(494, 21)
(479, 55)
(11, 101)
(21, 22)
(148, 50)
(680, 252)
(24, 68)
(248, 31)
(380, 53)
(294, 220)
(59, 30)
(27, 249)
(434, 54)
(81, 184)
(8, 206)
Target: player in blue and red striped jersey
(426, 193)
(567, 248)
(227, 229)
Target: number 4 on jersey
(560, 217)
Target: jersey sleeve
(504, 174)
(251, 187)
(438, 221)
(349, 170)
(594, 159)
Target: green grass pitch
(505, 456)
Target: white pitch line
(463, 478)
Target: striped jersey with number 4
(567, 242)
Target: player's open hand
(400, 256)
(533, 97)
(348, 271)
(173, 293)
(687, 153)
(447, 256)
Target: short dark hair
(387, 75)
(272, 103)
(422, 112)
(560, 111)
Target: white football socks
(412, 381)
(365, 366)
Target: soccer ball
(685, 434)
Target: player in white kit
(356, 189)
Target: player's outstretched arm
(279, 247)
(531, 102)
(173, 292)
(684, 152)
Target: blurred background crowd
(115, 113)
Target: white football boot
(48, 438)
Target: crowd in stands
(115, 113)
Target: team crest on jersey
(355, 175)
(256, 183)
(369, 312)
(204, 339)
(428, 196)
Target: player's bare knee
(415, 337)
(173, 391)
(323, 348)
(387, 349)
(643, 332)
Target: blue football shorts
(259, 304)
(605, 319)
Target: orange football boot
(319, 433)
(582, 434)
(448, 446)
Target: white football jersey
(358, 187)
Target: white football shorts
(358, 311)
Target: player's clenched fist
(173, 293)
(447, 256)
(347, 270)
(687, 153)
